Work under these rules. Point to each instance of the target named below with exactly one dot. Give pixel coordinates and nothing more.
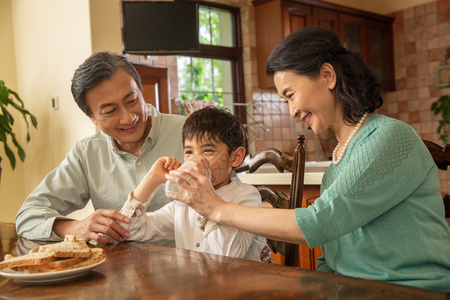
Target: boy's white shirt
(193, 232)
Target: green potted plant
(11, 100)
(442, 105)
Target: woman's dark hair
(215, 124)
(96, 68)
(304, 51)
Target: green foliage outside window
(202, 78)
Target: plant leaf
(10, 155)
(19, 148)
(17, 97)
(4, 125)
(7, 115)
(10, 97)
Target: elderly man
(106, 166)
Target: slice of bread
(97, 256)
(70, 247)
(64, 263)
(56, 265)
(60, 265)
(37, 258)
(69, 254)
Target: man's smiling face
(119, 110)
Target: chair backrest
(441, 156)
(282, 161)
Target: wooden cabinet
(295, 16)
(325, 18)
(365, 33)
(373, 40)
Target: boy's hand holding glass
(154, 177)
(162, 166)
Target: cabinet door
(274, 20)
(353, 35)
(325, 18)
(269, 32)
(380, 53)
(296, 16)
(373, 40)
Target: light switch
(55, 103)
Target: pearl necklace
(336, 161)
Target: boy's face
(220, 160)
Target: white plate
(50, 277)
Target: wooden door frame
(158, 77)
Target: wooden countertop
(145, 271)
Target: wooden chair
(441, 156)
(282, 161)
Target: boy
(213, 139)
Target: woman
(380, 214)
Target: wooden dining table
(135, 270)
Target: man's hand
(102, 221)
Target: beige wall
(10, 181)
(46, 41)
(105, 25)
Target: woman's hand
(196, 189)
(197, 192)
(94, 227)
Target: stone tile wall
(421, 38)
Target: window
(205, 79)
(215, 74)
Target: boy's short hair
(216, 124)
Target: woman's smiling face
(310, 100)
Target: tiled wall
(421, 37)
(275, 128)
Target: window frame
(232, 54)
